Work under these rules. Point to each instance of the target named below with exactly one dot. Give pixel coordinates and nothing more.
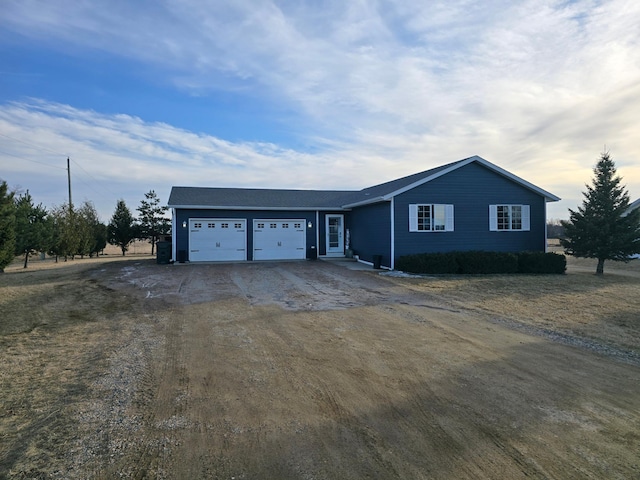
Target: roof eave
(549, 197)
(362, 203)
(257, 208)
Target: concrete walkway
(350, 263)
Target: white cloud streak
(387, 88)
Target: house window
(430, 218)
(237, 225)
(224, 225)
(509, 218)
(211, 225)
(261, 225)
(197, 225)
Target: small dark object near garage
(163, 253)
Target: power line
(30, 160)
(98, 182)
(38, 147)
(33, 145)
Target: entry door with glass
(335, 235)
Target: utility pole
(69, 181)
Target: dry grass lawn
(62, 330)
(604, 308)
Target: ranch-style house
(470, 204)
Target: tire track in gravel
(167, 398)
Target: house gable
(469, 191)
(386, 191)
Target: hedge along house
(470, 204)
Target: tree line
(67, 231)
(604, 227)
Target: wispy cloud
(382, 88)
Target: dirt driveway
(309, 370)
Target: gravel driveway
(312, 370)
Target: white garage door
(219, 239)
(279, 239)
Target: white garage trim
(217, 239)
(279, 239)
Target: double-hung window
(509, 218)
(430, 217)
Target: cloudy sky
(147, 94)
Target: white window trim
(448, 217)
(525, 214)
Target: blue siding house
(470, 204)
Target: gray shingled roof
(198, 197)
(256, 198)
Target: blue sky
(144, 95)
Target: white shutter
(493, 218)
(526, 218)
(413, 217)
(448, 215)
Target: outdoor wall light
(310, 225)
(184, 224)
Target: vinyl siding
(370, 228)
(470, 189)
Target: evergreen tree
(100, 236)
(65, 237)
(122, 229)
(7, 226)
(89, 231)
(153, 222)
(32, 229)
(603, 227)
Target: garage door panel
(212, 240)
(279, 239)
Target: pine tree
(122, 229)
(65, 237)
(153, 222)
(32, 228)
(89, 229)
(603, 227)
(7, 226)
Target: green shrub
(540, 262)
(436, 263)
(480, 262)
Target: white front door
(335, 235)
